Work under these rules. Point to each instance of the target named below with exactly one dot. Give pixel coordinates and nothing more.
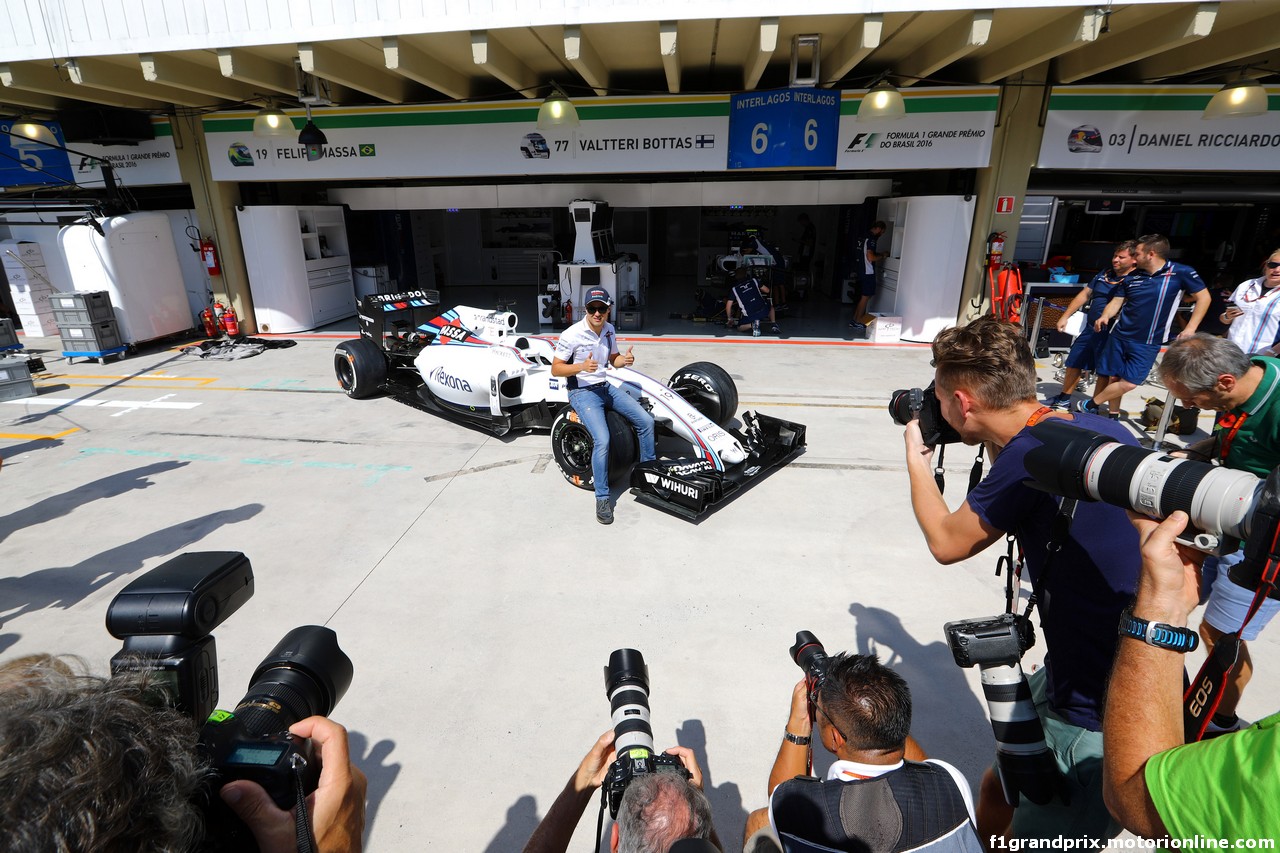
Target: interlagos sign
(1154, 128)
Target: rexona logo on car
(439, 376)
(456, 333)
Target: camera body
(626, 683)
(164, 618)
(906, 405)
(998, 641)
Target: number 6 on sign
(811, 134)
(760, 138)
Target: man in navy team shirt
(1149, 302)
(985, 378)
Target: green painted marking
(277, 462)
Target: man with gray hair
(657, 809)
(1213, 373)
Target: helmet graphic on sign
(1085, 139)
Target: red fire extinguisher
(568, 312)
(995, 251)
(230, 322)
(209, 254)
(210, 324)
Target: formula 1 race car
(470, 364)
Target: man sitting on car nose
(581, 355)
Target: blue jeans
(590, 403)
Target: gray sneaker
(604, 512)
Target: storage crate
(81, 309)
(95, 338)
(8, 335)
(15, 379)
(630, 320)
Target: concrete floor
(469, 583)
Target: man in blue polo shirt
(1149, 302)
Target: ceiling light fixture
(882, 101)
(35, 132)
(557, 110)
(1239, 99)
(272, 121)
(313, 138)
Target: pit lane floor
(471, 586)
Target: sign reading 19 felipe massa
(1149, 128)
(945, 128)
(468, 140)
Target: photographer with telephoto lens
(1213, 373)
(985, 381)
(144, 761)
(881, 794)
(655, 798)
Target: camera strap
(1203, 697)
(301, 825)
(1059, 529)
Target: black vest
(917, 807)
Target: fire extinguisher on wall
(568, 312)
(995, 249)
(209, 255)
(210, 324)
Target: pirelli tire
(361, 368)
(571, 446)
(709, 389)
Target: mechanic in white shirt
(881, 794)
(583, 351)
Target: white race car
(471, 364)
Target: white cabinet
(299, 266)
(928, 239)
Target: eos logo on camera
(438, 375)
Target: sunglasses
(598, 309)
(1273, 264)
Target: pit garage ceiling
(161, 55)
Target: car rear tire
(709, 389)
(361, 368)
(571, 447)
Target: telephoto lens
(1079, 463)
(626, 683)
(305, 675)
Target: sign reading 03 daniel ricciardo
(784, 128)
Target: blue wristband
(1158, 634)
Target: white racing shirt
(578, 342)
(1257, 327)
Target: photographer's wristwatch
(1158, 634)
(798, 740)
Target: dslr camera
(906, 405)
(626, 683)
(164, 618)
(1024, 762)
